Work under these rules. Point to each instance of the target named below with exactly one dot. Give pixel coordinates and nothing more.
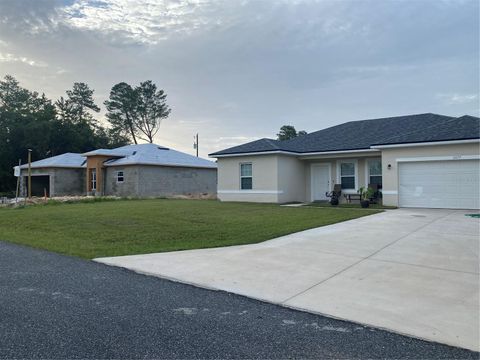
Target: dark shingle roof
(357, 135)
(253, 146)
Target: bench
(350, 197)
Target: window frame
(355, 174)
(367, 171)
(122, 176)
(93, 179)
(246, 177)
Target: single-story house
(134, 170)
(424, 160)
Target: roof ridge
(423, 129)
(272, 142)
(468, 116)
(376, 119)
(402, 116)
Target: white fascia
(255, 153)
(374, 148)
(432, 143)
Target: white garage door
(439, 184)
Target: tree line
(29, 120)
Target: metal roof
(141, 154)
(151, 154)
(67, 160)
(106, 152)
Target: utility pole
(29, 173)
(195, 143)
(18, 180)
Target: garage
(40, 185)
(450, 184)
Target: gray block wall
(129, 187)
(145, 181)
(68, 182)
(139, 181)
(63, 181)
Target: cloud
(144, 22)
(28, 17)
(237, 70)
(8, 57)
(455, 99)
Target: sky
(237, 70)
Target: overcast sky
(237, 70)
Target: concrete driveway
(415, 272)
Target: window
(375, 172)
(347, 175)
(246, 176)
(93, 179)
(120, 177)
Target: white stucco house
(424, 160)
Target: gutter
(293, 153)
(426, 143)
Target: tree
(82, 96)
(151, 110)
(31, 121)
(24, 123)
(288, 132)
(76, 107)
(65, 110)
(122, 110)
(137, 112)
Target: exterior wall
(291, 179)
(281, 178)
(23, 191)
(390, 156)
(145, 181)
(361, 171)
(129, 187)
(95, 162)
(68, 182)
(265, 187)
(63, 181)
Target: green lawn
(111, 228)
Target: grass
(122, 227)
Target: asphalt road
(54, 306)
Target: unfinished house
(144, 170)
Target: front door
(320, 181)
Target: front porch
(350, 172)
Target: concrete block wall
(23, 191)
(145, 181)
(62, 182)
(129, 187)
(68, 182)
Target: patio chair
(376, 193)
(335, 193)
